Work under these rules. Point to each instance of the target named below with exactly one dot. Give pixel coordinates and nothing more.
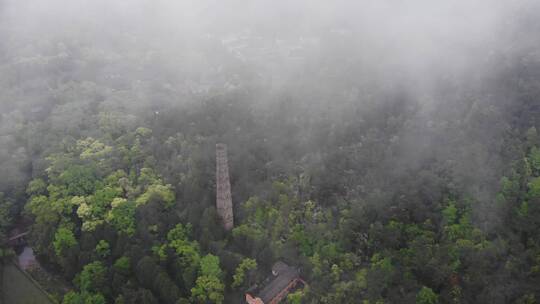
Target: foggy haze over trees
(388, 149)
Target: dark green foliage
(379, 189)
(79, 180)
(156, 279)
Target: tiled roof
(286, 275)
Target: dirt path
(27, 258)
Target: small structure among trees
(276, 288)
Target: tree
(63, 239)
(103, 249)
(92, 278)
(534, 188)
(244, 268)
(210, 266)
(426, 296)
(36, 187)
(187, 252)
(83, 298)
(79, 180)
(91, 148)
(72, 298)
(208, 289)
(122, 265)
(122, 216)
(208, 285)
(157, 192)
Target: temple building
(284, 279)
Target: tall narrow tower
(223, 187)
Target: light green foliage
(208, 285)
(148, 177)
(84, 211)
(122, 215)
(92, 278)
(122, 265)
(103, 198)
(210, 266)
(96, 298)
(91, 225)
(117, 179)
(91, 148)
(118, 202)
(103, 249)
(179, 232)
(460, 230)
(158, 192)
(250, 232)
(84, 191)
(38, 205)
(36, 187)
(93, 211)
(426, 296)
(187, 252)
(72, 298)
(241, 271)
(63, 239)
(78, 200)
(208, 288)
(458, 225)
(450, 213)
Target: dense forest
(390, 151)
